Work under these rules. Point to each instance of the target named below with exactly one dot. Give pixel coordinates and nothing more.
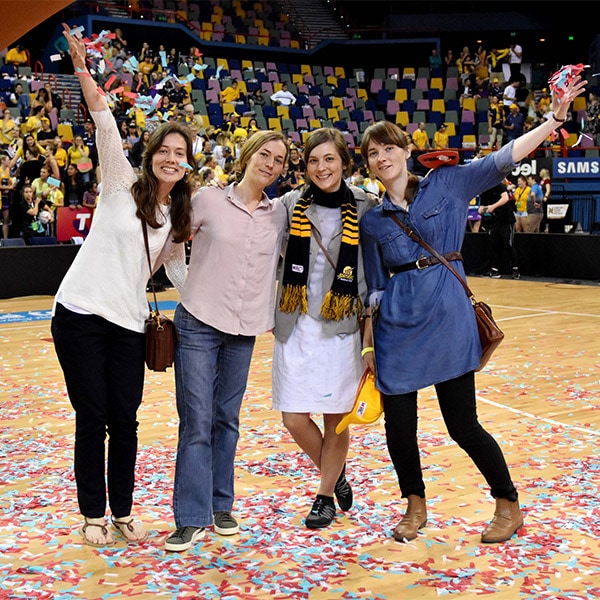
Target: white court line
(535, 417)
(540, 312)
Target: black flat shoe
(321, 513)
(343, 491)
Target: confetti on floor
(554, 462)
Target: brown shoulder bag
(161, 333)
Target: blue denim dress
(425, 332)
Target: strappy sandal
(105, 533)
(126, 529)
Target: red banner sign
(72, 222)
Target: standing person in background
(420, 138)
(440, 138)
(228, 300)
(546, 185)
(420, 145)
(7, 127)
(316, 359)
(420, 309)
(495, 123)
(520, 196)
(435, 61)
(535, 205)
(591, 124)
(101, 305)
(8, 184)
(79, 155)
(514, 123)
(74, 187)
(515, 58)
(497, 201)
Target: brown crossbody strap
(317, 237)
(145, 230)
(415, 238)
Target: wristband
(366, 350)
(558, 120)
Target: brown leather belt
(424, 262)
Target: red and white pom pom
(559, 81)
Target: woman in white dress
(317, 356)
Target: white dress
(313, 373)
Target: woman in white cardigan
(100, 307)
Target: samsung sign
(576, 168)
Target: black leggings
(457, 402)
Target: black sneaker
(321, 513)
(495, 274)
(343, 491)
(225, 524)
(183, 538)
(516, 274)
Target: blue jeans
(211, 373)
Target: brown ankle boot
(507, 519)
(414, 518)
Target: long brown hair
(387, 133)
(145, 189)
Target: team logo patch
(347, 274)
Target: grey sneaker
(183, 538)
(225, 524)
(495, 274)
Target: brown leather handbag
(161, 333)
(490, 335)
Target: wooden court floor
(540, 398)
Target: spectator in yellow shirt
(440, 138)
(17, 56)
(231, 93)
(420, 138)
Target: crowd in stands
(469, 103)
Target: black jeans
(502, 242)
(457, 402)
(103, 366)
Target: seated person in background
(33, 124)
(371, 183)
(17, 56)
(232, 93)
(20, 99)
(256, 99)
(284, 97)
(90, 195)
(46, 134)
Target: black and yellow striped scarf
(342, 299)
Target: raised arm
(94, 99)
(528, 142)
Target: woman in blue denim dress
(425, 333)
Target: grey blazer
(285, 322)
